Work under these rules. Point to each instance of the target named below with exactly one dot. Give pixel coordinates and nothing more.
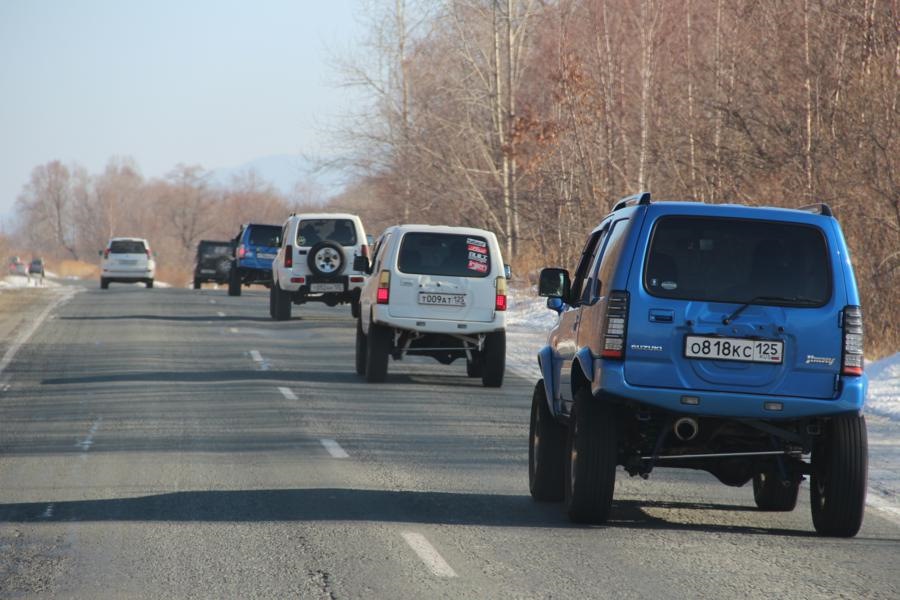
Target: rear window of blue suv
(738, 261)
(265, 235)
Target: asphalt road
(168, 443)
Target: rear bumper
(128, 275)
(609, 378)
(424, 325)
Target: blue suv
(723, 338)
(255, 247)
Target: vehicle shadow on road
(342, 505)
(194, 319)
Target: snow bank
(884, 387)
(23, 281)
(527, 322)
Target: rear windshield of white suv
(738, 261)
(449, 254)
(312, 231)
(127, 247)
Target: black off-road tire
(104, 283)
(354, 309)
(378, 349)
(771, 494)
(361, 343)
(311, 259)
(234, 282)
(591, 457)
(546, 451)
(493, 359)
(196, 283)
(282, 303)
(839, 477)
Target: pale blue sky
(210, 82)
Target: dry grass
(74, 268)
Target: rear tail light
(364, 251)
(614, 328)
(852, 362)
(383, 295)
(147, 250)
(106, 253)
(500, 300)
(288, 257)
(241, 251)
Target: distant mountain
(282, 171)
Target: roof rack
(641, 198)
(819, 208)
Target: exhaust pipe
(686, 428)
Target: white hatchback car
(315, 262)
(436, 291)
(127, 260)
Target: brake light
(288, 257)
(852, 361)
(364, 251)
(383, 295)
(147, 250)
(106, 253)
(614, 328)
(500, 298)
(241, 251)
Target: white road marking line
(287, 393)
(220, 313)
(29, 331)
(256, 356)
(425, 551)
(48, 512)
(334, 449)
(233, 329)
(88, 441)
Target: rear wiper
(793, 300)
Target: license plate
(207, 270)
(128, 263)
(264, 255)
(442, 299)
(326, 287)
(743, 350)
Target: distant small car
(36, 268)
(213, 262)
(254, 249)
(127, 260)
(16, 266)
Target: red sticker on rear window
(477, 266)
(474, 248)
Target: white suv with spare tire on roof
(315, 262)
(434, 291)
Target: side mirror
(554, 283)
(361, 263)
(507, 271)
(555, 304)
(99, 252)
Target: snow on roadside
(529, 320)
(23, 281)
(884, 387)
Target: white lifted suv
(435, 291)
(315, 262)
(127, 260)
